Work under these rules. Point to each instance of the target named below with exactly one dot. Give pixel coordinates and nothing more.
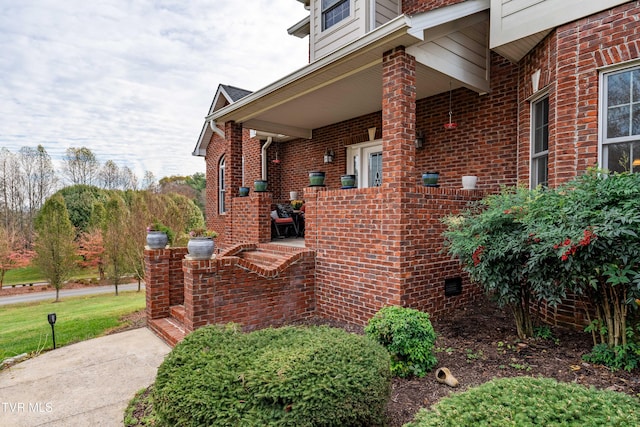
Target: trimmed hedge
(527, 401)
(290, 376)
(408, 336)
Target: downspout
(264, 157)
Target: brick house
(539, 91)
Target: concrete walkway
(85, 384)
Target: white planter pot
(200, 247)
(469, 182)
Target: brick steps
(170, 329)
(263, 258)
(177, 312)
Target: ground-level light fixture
(51, 318)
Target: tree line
(98, 199)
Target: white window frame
(603, 140)
(221, 185)
(534, 158)
(358, 160)
(337, 4)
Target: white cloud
(133, 80)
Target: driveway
(85, 384)
(51, 295)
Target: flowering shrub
(582, 237)
(203, 232)
(492, 243)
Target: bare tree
(149, 182)
(128, 179)
(39, 181)
(109, 176)
(81, 166)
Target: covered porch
(380, 106)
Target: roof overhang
(347, 83)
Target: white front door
(365, 162)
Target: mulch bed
(479, 344)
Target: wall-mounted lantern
(328, 155)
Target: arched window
(221, 186)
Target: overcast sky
(133, 79)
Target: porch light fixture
(328, 155)
(451, 124)
(419, 139)
(636, 162)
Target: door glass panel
(375, 169)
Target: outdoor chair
(282, 223)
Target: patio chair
(282, 223)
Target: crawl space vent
(452, 286)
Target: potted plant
(260, 185)
(348, 181)
(469, 182)
(430, 179)
(200, 245)
(297, 204)
(316, 179)
(159, 236)
(243, 191)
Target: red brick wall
(220, 291)
(411, 7)
(164, 281)
(358, 266)
(485, 141)
(569, 59)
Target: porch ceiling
(348, 82)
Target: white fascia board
(426, 20)
(301, 29)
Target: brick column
(156, 277)
(311, 216)
(233, 168)
(199, 276)
(398, 118)
(398, 166)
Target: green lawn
(31, 274)
(25, 328)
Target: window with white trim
(620, 128)
(221, 185)
(540, 142)
(365, 162)
(334, 11)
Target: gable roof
(225, 95)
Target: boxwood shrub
(408, 336)
(290, 376)
(527, 401)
